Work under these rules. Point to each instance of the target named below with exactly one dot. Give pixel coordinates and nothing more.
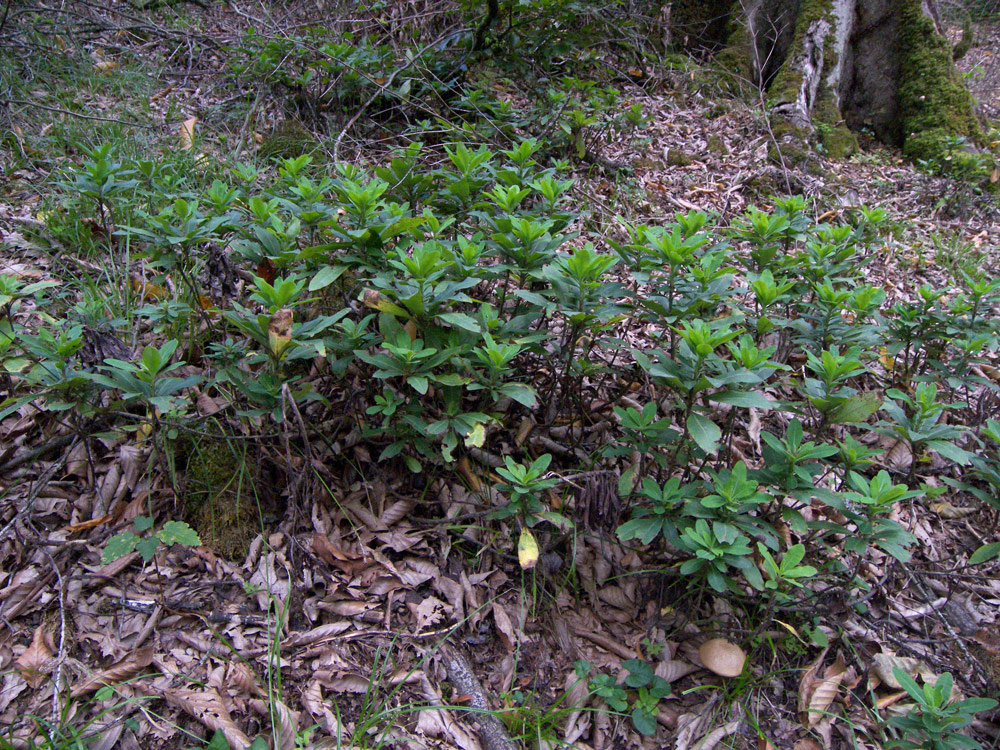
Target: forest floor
(363, 583)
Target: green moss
(788, 82)
(934, 105)
(217, 502)
(734, 63)
(961, 49)
(837, 140)
(716, 145)
(676, 158)
(287, 140)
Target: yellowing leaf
(791, 630)
(477, 437)
(279, 331)
(885, 360)
(527, 549)
(947, 510)
(186, 133)
(105, 66)
(145, 290)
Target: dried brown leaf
(206, 706)
(505, 627)
(807, 685)
(397, 512)
(36, 661)
(826, 691)
(123, 670)
(899, 456)
(949, 511)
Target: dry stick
(464, 680)
(77, 114)
(61, 653)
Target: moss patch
(837, 140)
(288, 140)
(676, 158)
(933, 102)
(716, 145)
(218, 501)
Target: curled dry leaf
(807, 684)
(883, 664)
(899, 456)
(949, 511)
(186, 133)
(207, 707)
(825, 691)
(673, 670)
(124, 669)
(722, 657)
(36, 661)
(615, 596)
(241, 680)
(397, 512)
(505, 626)
(279, 330)
(713, 738)
(807, 743)
(577, 722)
(285, 721)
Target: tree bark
(830, 67)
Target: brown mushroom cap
(722, 657)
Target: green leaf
(640, 673)
(704, 432)
(218, 742)
(857, 408)
(418, 384)
(118, 546)
(950, 451)
(259, 744)
(627, 482)
(142, 523)
(326, 276)
(147, 547)
(461, 320)
(984, 553)
(746, 399)
(178, 532)
(643, 529)
(644, 722)
(519, 392)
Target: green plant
(172, 532)
(916, 420)
(717, 547)
(933, 721)
(525, 483)
(144, 380)
(787, 571)
(644, 692)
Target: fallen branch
(492, 733)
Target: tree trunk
(830, 67)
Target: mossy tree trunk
(830, 67)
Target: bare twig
(25, 103)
